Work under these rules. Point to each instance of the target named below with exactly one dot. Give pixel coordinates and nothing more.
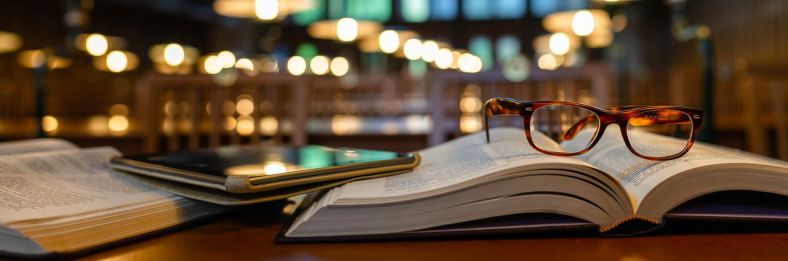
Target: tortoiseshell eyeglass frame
(617, 115)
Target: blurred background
(163, 75)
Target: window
(443, 10)
(491, 9)
(476, 9)
(506, 47)
(481, 46)
(372, 10)
(415, 11)
(540, 8)
(509, 9)
(311, 15)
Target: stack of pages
(57, 198)
(468, 179)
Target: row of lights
(438, 54)
(318, 65)
(116, 124)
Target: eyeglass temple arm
(498, 106)
(572, 131)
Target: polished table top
(247, 234)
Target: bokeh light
(583, 23)
(339, 66)
(174, 54)
(266, 9)
(296, 65)
(49, 123)
(96, 44)
(388, 41)
(559, 43)
(444, 59)
(412, 49)
(429, 50)
(347, 29)
(117, 61)
(319, 65)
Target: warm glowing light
(548, 62)
(583, 23)
(117, 61)
(296, 65)
(470, 104)
(274, 167)
(388, 41)
(417, 124)
(444, 59)
(269, 65)
(244, 64)
(619, 22)
(38, 58)
(49, 123)
(212, 65)
(266, 9)
(412, 49)
(96, 44)
(9, 42)
(429, 50)
(345, 124)
(559, 43)
(173, 58)
(319, 65)
(469, 63)
(97, 125)
(118, 123)
(339, 66)
(32, 58)
(244, 106)
(470, 123)
(347, 29)
(245, 125)
(226, 58)
(119, 109)
(174, 54)
(169, 108)
(229, 123)
(269, 125)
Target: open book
(57, 198)
(466, 179)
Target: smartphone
(260, 168)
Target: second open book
(467, 179)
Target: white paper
(34, 145)
(64, 182)
(456, 161)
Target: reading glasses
(564, 128)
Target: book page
(639, 176)
(65, 182)
(34, 145)
(453, 162)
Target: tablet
(260, 168)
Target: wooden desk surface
(248, 235)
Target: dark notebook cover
(730, 211)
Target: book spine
(631, 226)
